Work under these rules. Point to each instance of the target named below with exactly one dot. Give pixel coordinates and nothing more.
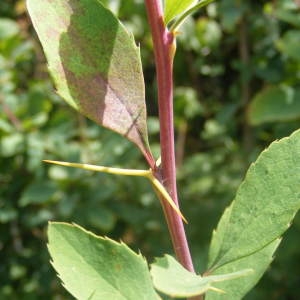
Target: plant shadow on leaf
(96, 78)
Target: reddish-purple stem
(163, 42)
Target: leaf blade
(174, 280)
(173, 8)
(238, 288)
(262, 211)
(85, 44)
(93, 267)
(275, 104)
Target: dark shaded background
(227, 55)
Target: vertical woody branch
(164, 48)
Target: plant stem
(10, 115)
(163, 42)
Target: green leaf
(11, 145)
(39, 192)
(95, 64)
(289, 16)
(171, 278)
(231, 12)
(8, 29)
(265, 205)
(187, 13)
(289, 44)
(93, 267)
(260, 261)
(237, 288)
(173, 8)
(275, 103)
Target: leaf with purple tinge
(95, 64)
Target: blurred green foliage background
(237, 74)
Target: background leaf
(38, 193)
(288, 14)
(288, 44)
(95, 64)
(172, 279)
(173, 8)
(262, 211)
(275, 103)
(93, 267)
(8, 28)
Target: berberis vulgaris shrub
(96, 66)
